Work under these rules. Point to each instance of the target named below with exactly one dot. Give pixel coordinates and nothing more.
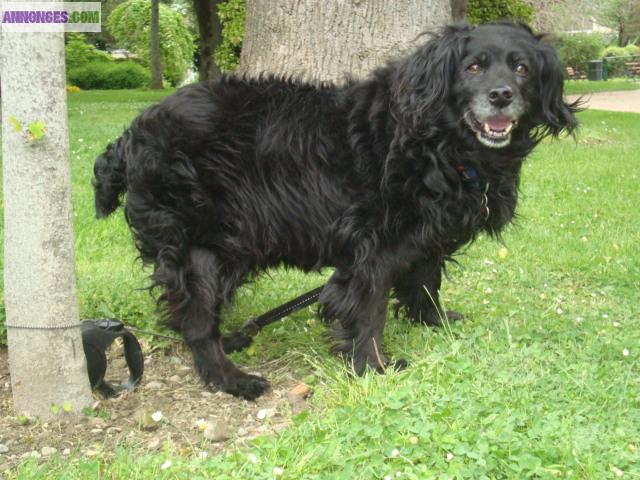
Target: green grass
(576, 87)
(532, 384)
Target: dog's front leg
(418, 292)
(360, 305)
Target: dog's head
(486, 83)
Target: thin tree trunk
(458, 10)
(46, 356)
(156, 62)
(329, 39)
(210, 29)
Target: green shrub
(578, 49)
(483, 11)
(129, 23)
(77, 52)
(232, 16)
(110, 76)
(617, 56)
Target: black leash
(98, 335)
(252, 326)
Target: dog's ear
(422, 82)
(556, 114)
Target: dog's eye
(522, 70)
(474, 68)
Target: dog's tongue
(499, 122)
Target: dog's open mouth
(494, 131)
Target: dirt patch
(170, 409)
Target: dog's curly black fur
(383, 179)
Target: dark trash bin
(595, 70)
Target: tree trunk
(210, 29)
(458, 10)
(46, 356)
(327, 40)
(156, 62)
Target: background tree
(624, 17)
(322, 40)
(210, 36)
(130, 22)
(156, 61)
(482, 11)
(46, 356)
(458, 10)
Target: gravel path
(626, 101)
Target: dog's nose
(501, 96)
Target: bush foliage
(617, 56)
(232, 16)
(109, 76)
(130, 22)
(578, 49)
(483, 11)
(78, 52)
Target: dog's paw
(235, 342)
(397, 365)
(246, 386)
(436, 319)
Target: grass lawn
(539, 381)
(576, 87)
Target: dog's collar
(472, 180)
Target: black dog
(383, 179)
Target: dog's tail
(110, 177)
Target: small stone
(34, 454)
(145, 421)
(66, 451)
(96, 430)
(3, 448)
(264, 413)
(157, 416)
(46, 451)
(175, 360)
(217, 432)
(175, 378)
(92, 452)
(155, 385)
(97, 422)
(298, 393)
(301, 390)
(153, 444)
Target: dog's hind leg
(195, 297)
(361, 308)
(418, 293)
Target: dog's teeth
(487, 129)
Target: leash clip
(97, 336)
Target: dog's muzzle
(493, 131)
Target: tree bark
(328, 40)
(458, 10)
(210, 29)
(46, 360)
(156, 61)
